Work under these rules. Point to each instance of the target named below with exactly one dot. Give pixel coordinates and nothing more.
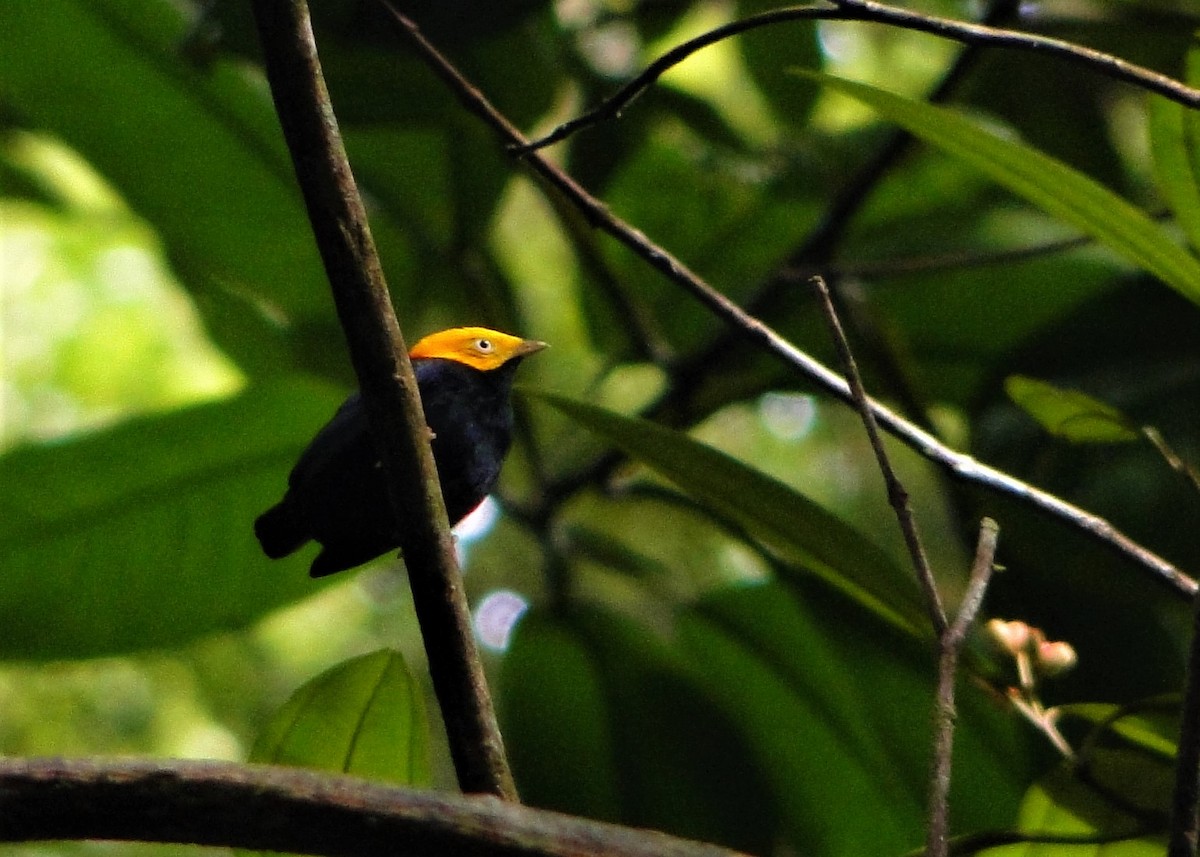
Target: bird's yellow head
(477, 347)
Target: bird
(337, 492)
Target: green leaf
(767, 52)
(836, 708)
(646, 745)
(1041, 180)
(837, 787)
(1151, 726)
(141, 536)
(365, 716)
(198, 131)
(783, 519)
(1070, 414)
(1175, 144)
(553, 707)
(1061, 805)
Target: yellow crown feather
(477, 347)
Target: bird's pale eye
(484, 345)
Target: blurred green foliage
(721, 642)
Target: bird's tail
(280, 531)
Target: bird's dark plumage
(337, 494)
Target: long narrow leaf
(1175, 144)
(1052, 186)
(784, 520)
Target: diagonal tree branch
(897, 494)
(389, 391)
(751, 329)
(951, 635)
(293, 810)
(820, 245)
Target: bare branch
(1171, 457)
(389, 391)
(979, 34)
(293, 810)
(949, 261)
(612, 106)
(896, 493)
(981, 575)
(870, 11)
(945, 711)
(950, 635)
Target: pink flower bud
(1055, 658)
(1010, 637)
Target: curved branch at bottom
(292, 810)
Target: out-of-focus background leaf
(694, 634)
(135, 538)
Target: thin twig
(945, 713)
(870, 11)
(389, 391)
(950, 261)
(1171, 457)
(1041, 718)
(896, 493)
(1185, 803)
(978, 34)
(612, 106)
(950, 636)
(294, 811)
(751, 329)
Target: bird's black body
(337, 494)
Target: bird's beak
(529, 346)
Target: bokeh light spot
(496, 616)
(788, 416)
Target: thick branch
(753, 330)
(292, 810)
(389, 391)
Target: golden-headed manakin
(337, 494)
